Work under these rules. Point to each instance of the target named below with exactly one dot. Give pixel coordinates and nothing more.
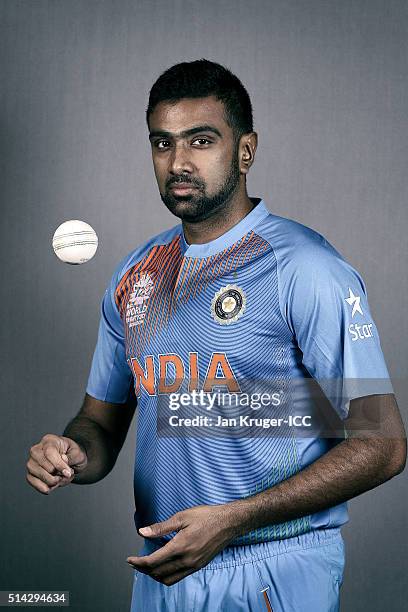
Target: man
(231, 300)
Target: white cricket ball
(75, 242)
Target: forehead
(188, 112)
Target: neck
(219, 223)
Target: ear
(247, 149)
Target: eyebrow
(185, 133)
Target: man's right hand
(54, 462)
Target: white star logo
(354, 301)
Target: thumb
(174, 523)
(75, 454)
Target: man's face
(194, 156)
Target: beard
(197, 207)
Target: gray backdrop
(328, 80)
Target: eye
(202, 141)
(158, 144)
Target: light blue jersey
(267, 305)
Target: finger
(54, 457)
(170, 580)
(38, 456)
(38, 484)
(167, 570)
(36, 470)
(66, 481)
(156, 530)
(162, 555)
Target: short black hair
(202, 78)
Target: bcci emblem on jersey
(228, 304)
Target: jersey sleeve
(325, 304)
(110, 377)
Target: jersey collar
(227, 239)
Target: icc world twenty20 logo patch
(137, 304)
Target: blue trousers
(300, 574)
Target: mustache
(183, 179)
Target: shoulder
(165, 238)
(291, 239)
(302, 252)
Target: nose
(180, 160)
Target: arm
(91, 442)
(363, 461)
(357, 464)
(100, 428)
(87, 450)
